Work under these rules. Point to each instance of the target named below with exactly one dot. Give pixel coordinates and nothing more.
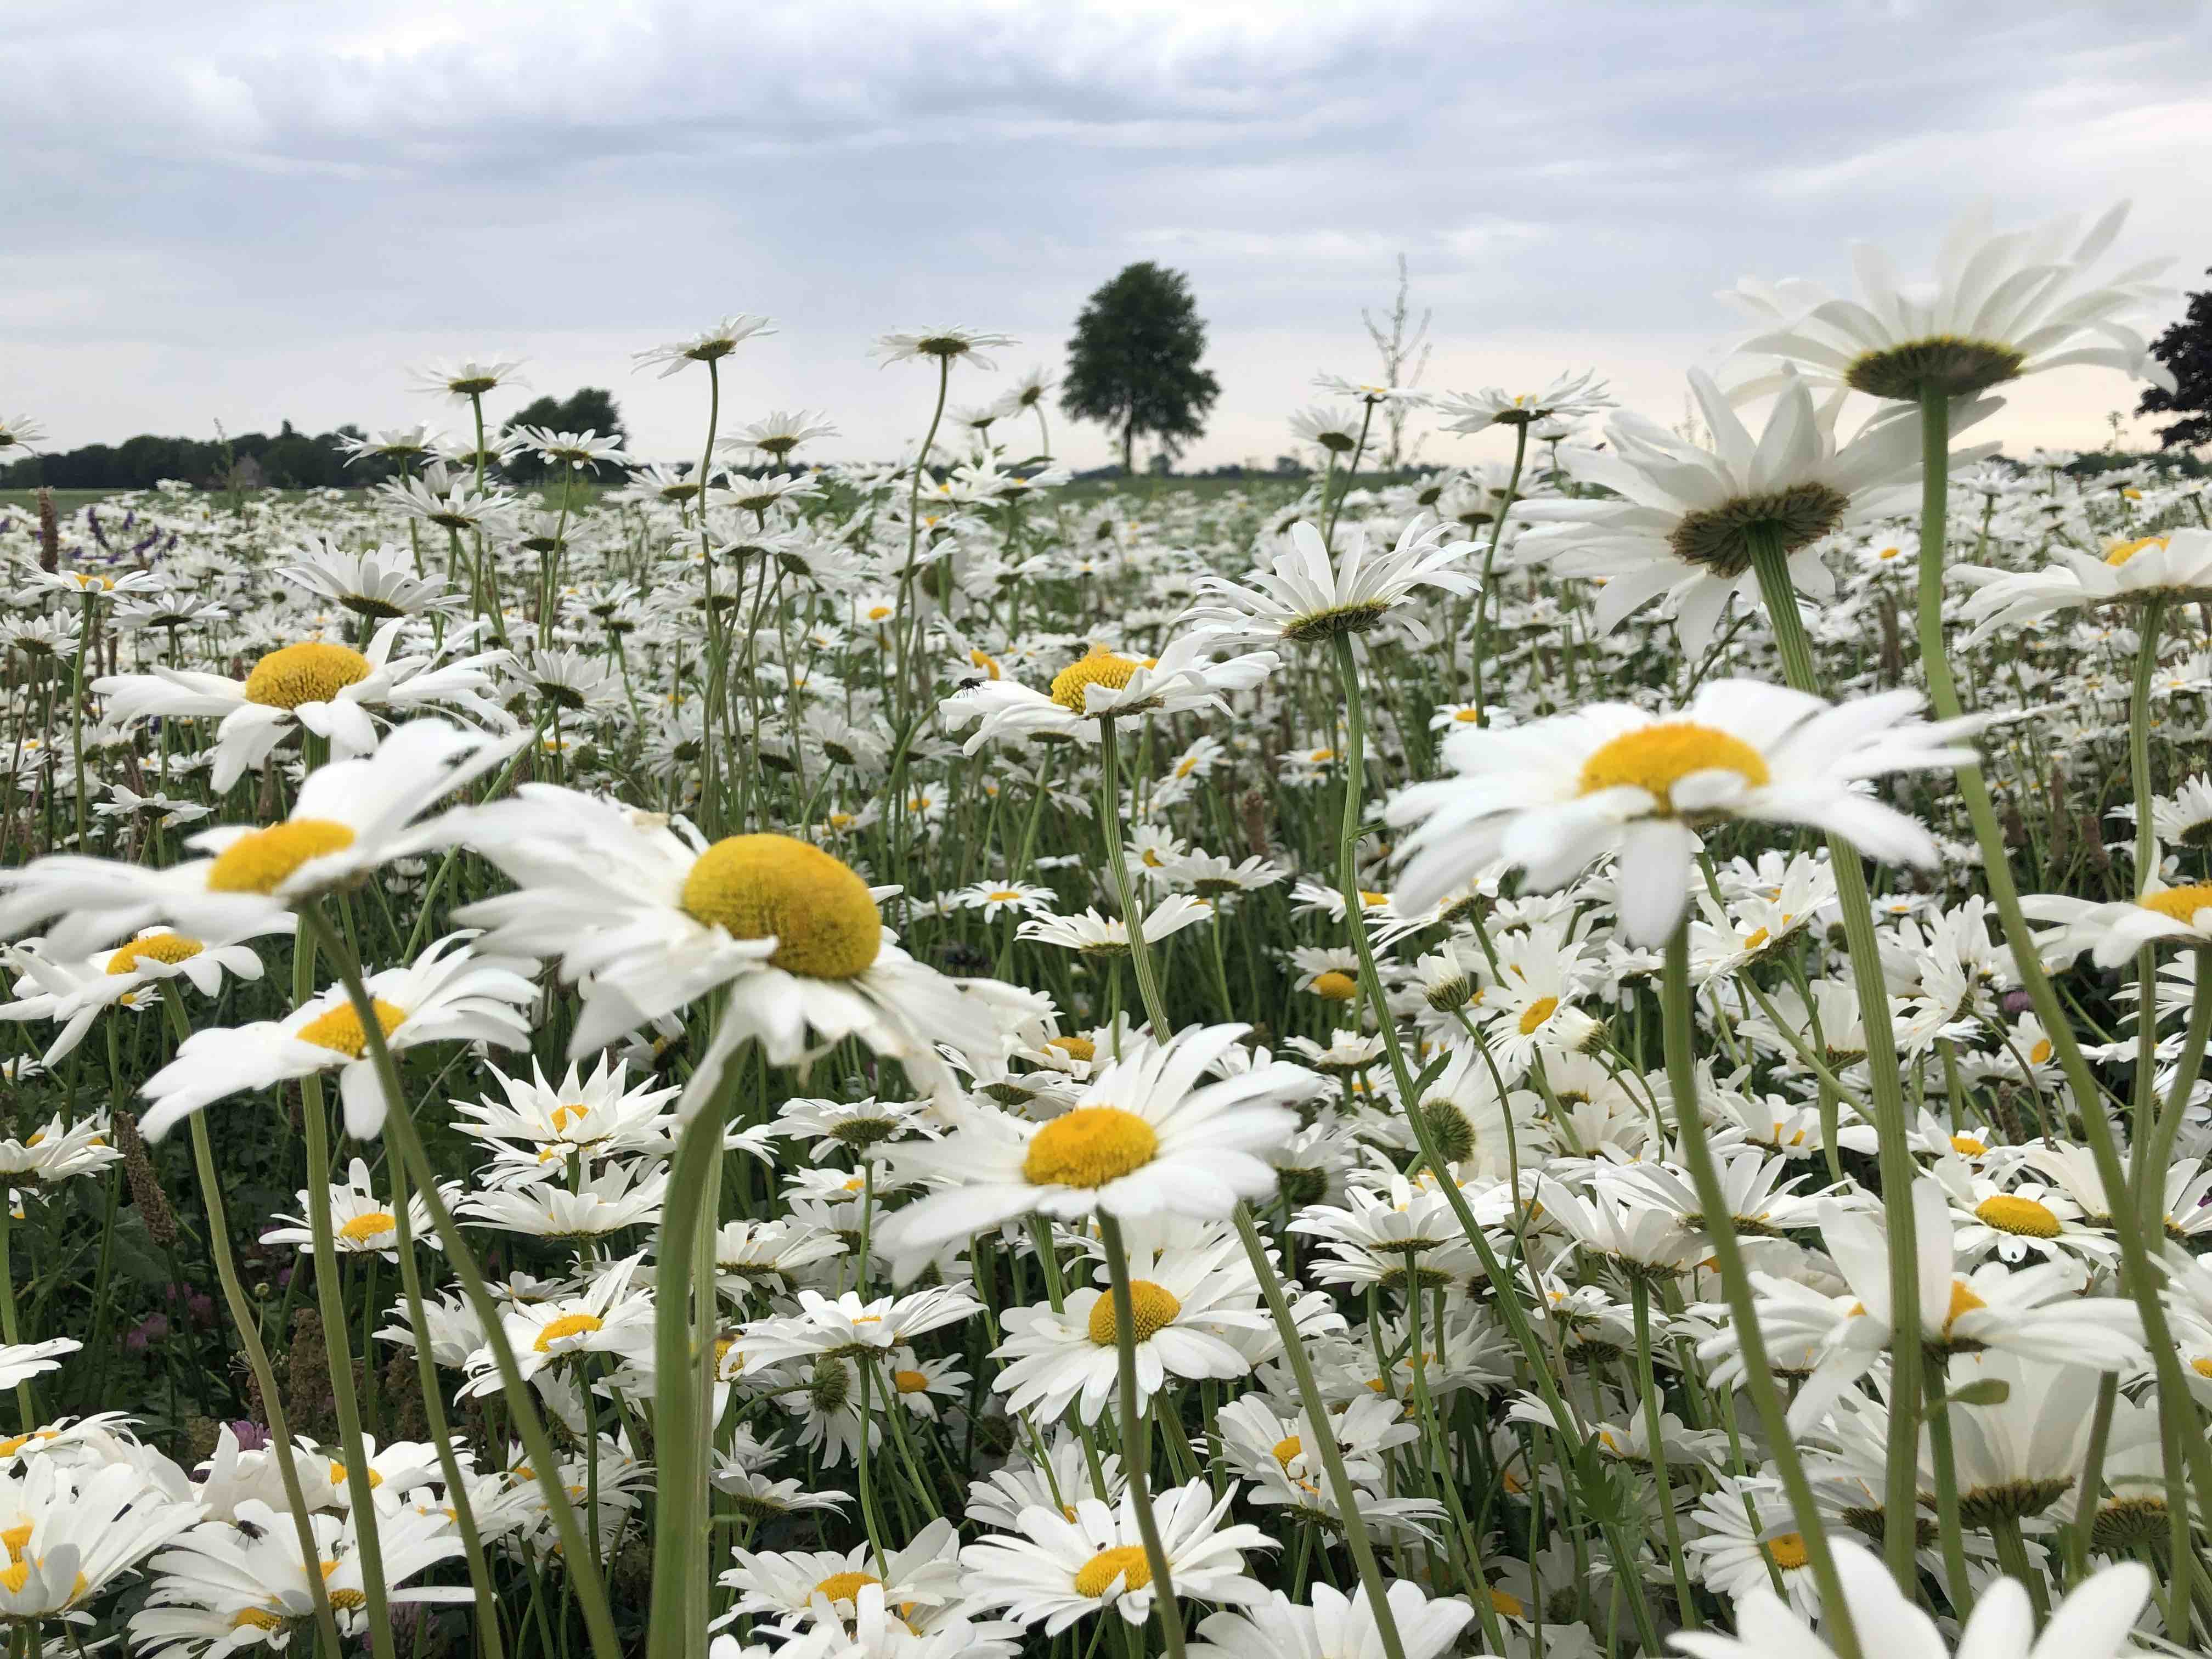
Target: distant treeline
(289, 460)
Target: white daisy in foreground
(349, 818)
(1681, 521)
(1552, 795)
(1305, 597)
(24, 1360)
(1335, 1625)
(650, 918)
(2001, 305)
(2095, 1622)
(325, 688)
(70, 1532)
(1145, 1136)
(2176, 567)
(447, 994)
(1061, 1569)
(2113, 933)
(74, 992)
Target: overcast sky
(251, 211)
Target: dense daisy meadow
(1594, 1051)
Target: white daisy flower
(1552, 795)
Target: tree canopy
(1134, 364)
(2186, 348)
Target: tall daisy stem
(583, 1567)
(1489, 563)
(2139, 1277)
(247, 1318)
(1886, 1078)
(1318, 1426)
(330, 1297)
(1680, 1030)
(1136, 1440)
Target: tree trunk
(1128, 449)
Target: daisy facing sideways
(1105, 685)
(2111, 933)
(649, 917)
(447, 994)
(349, 818)
(2176, 568)
(324, 688)
(73, 992)
(1554, 794)
(1144, 1136)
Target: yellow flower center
(374, 1223)
(1373, 901)
(154, 947)
(349, 1600)
(1098, 668)
(1289, 1447)
(2040, 1052)
(338, 1477)
(989, 665)
(1755, 938)
(313, 673)
(2182, 904)
(264, 859)
(1506, 1602)
(1003, 895)
(1075, 1047)
(1538, 1011)
(819, 912)
(257, 1618)
(1967, 1147)
(1655, 758)
(568, 1325)
(845, 1586)
(1963, 1301)
(1336, 985)
(2123, 551)
(910, 1382)
(1153, 1306)
(18, 1540)
(1088, 1147)
(1788, 1551)
(340, 1031)
(2202, 1367)
(2023, 1217)
(1125, 1562)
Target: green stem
(1891, 1124)
(1680, 1035)
(1323, 1439)
(1490, 560)
(399, 1129)
(1109, 815)
(1136, 1439)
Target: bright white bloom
(1554, 794)
(1304, 597)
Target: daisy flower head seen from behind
(1305, 597)
(945, 346)
(1148, 1135)
(2175, 568)
(1551, 796)
(708, 345)
(2000, 306)
(1682, 521)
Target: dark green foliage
(1133, 366)
(2186, 348)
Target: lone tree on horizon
(1134, 362)
(2186, 348)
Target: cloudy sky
(252, 211)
